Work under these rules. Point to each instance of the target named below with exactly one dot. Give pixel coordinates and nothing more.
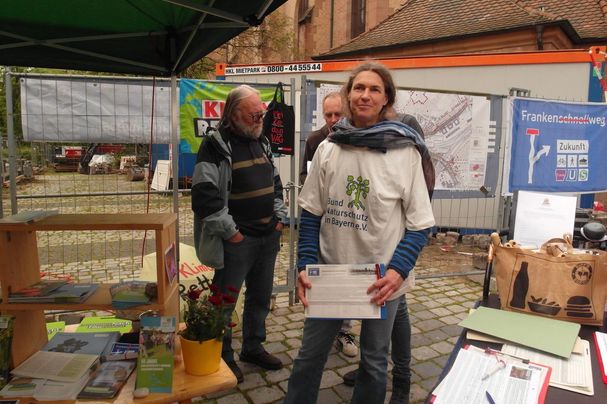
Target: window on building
(304, 12)
(359, 8)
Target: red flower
(204, 315)
(194, 294)
(233, 289)
(232, 325)
(216, 300)
(229, 299)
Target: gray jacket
(212, 181)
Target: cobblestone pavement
(439, 301)
(435, 306)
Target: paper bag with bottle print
(556, 281)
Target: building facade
(322, 25)
(346, 29)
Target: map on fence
(456, 129)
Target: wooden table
(185, 387)
(554, 395)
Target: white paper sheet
(542, 216)
(574, 374)
(340, 291)
(601, 348)
(516, 383)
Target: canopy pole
(191, 37)
(292, 278)
(175, 159)
(1, 177)
(262, 10)
(10, 133)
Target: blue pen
(489, 398)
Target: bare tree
(272, 41)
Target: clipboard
(514, 359)
(477, 368)
(339, 291)
(600, 340)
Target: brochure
(82, 342)
(67, 293)
(38, 289)
(56, 390)
(107, 379)
(54, 327)
(59, 366)
(6, 338)
(21, 387)
(129, 294)
(104, 324)
(155, 360)
(119, 351)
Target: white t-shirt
(366, 199)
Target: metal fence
(45, 180)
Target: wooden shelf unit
(20, 267)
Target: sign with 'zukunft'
(558, 146)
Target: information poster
(542, 216)
(201, 106)
(457, 130)
(558, 146)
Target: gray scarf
(382, 136)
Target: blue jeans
(251, 261)
(318, 337)
(401, 345)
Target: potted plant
(206, 321)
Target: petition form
(478, 374)
(340, 291)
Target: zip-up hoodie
(211, 185)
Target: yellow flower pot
(201, 358)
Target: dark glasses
(256, 116)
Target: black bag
(279, 124)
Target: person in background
(238, 218)
(394, 164)
(332, 112)
(401, 330)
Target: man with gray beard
(238, 217)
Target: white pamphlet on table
(542, 216)
(488, 376)
(574, 374)
(340, 291)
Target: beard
(248, 131)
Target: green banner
(200, 108)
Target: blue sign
(558, 146)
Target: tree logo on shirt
(360, 189)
